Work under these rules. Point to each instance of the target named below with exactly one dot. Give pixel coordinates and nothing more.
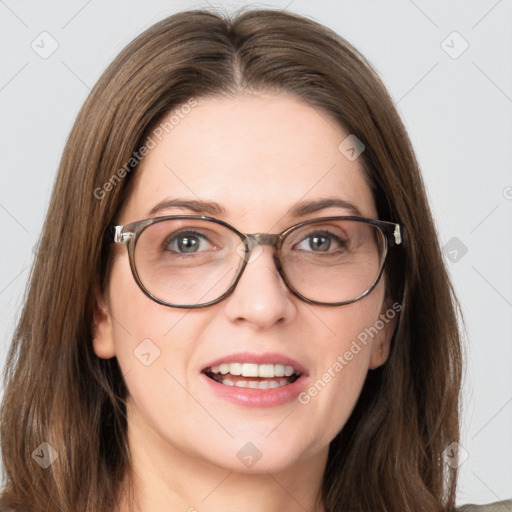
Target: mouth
(252, 375)
(248, 379)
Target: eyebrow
(306, 207)
(194, 205)
(298, 210)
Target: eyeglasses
(191, 261)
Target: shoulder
(499, 506)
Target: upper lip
(264, 358)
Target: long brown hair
(388, 457)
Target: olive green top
(499, 506)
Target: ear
(381, 344)
(103, 332)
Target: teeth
(270, 375)
(249, 370)
(235, 369)
(279, 370)
(268, 371)
(255, 384)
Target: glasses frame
(129, 234)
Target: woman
(279, 332)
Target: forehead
(256, 155)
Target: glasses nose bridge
(264, 239)
(254, 240)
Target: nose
(261, 297)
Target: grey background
(457, 111)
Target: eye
(186, 242)
(321, 241)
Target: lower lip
(249, 397)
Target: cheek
(331, 396)
(153, 344)
(348, 329)
(342, 362)
(147, 335)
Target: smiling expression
(235, 369)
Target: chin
(255, 453)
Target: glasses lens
(187, 261)
(333, 261)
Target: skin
(257, 155)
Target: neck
(164, 477)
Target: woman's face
(257, 156)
